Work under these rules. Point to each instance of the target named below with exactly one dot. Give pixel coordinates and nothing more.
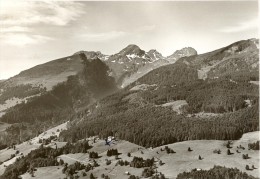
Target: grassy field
(175, 163)
(26, 147)
(51, 172)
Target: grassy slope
(27, 147)
(181, 161)
(50, 73)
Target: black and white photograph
(129, 89)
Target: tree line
(42, 157)
(217, 172)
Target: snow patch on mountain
(132, 56)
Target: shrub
(229, 152)
(139, 162)
(169, 150)
(108, 162)
(93, 155)
(147, 172)
(112, 152)
(247, 167)
(217, 151)
(245, 156)
(254, 146)
(91, 176)
(84, 173)
(133, 177)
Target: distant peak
(132, 49)
(184, 52)
(92, 54)
(153, 51)
(132, 46)
(155, 55)
(87, 52)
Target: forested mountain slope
(63, 101)
(140, 115)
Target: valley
(129, 89)
(172, 116)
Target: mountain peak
(155, 55)
(184, 52)
(133, 46)
(153, 51)
(132, 49)
(92, 54)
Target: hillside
(126, 66)
(39, 88)
(49, 74)
(61, 103)
(171, 160)
(37, 80)
(155, 60)
(138, 112)
(201, 97)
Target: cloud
(14, 29)
(23, 39)
(19, 20)
(27, 13)
(243, 26)
(95, 37)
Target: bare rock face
(184, 52)
(155, 55)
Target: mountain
(184, 52)
(212, 85)
(126, 66)
(132, 62)
(51, 73)
(37, 80)
(155, 55)
(127, 61)
(238, 60)
(128, 79)
(48, 74)
(169, 113)
(93, 55)
(62, 102)
(41, 78)
(174, 103)
(157, 61)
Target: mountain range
(218, 82)
(137, 102)
(122, 65)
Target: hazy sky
(36, 32)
